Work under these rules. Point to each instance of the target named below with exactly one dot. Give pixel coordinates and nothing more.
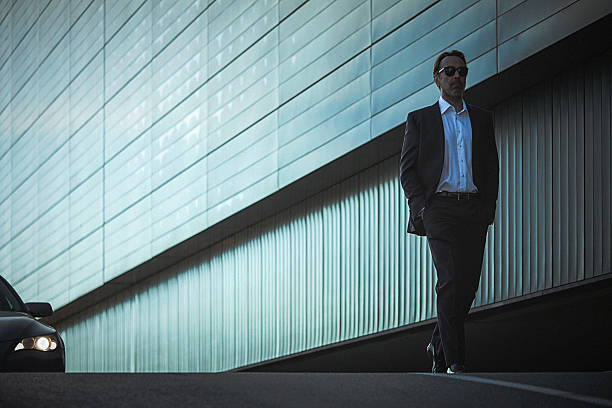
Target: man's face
(451, 86)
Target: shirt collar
(445, 106)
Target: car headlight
(40, 343)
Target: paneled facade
(340, 266)
(127, 127)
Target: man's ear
(435, 77)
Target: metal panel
(25, 59)
(245, 93)
(288, 7)
(179, 140)
(6, 186)
(127, 239)
(5, 100)
(313, 39)
(5, 222)
(25, 204)
(128, 115)
(53, 25)
(86, 264)
(342, 31)
(5, 9)
(52, 128)
(396, 15)
(300, 27)
(87, 151)
(117, 14)
(228, 41)
(250, 195)
(178, 210)
(86, 36)
(128, 177)
(78, 7)
(597, 150)
(24, 15)
(170, 18)
(6, 37)
(25, 109)
(180, 68)
(526, 15)
(24, 260)
(568, 20)
(86, 94)
(5, 110)
(250, 165)
(325, 100)
(86, 208)
(6, 261)
(238, 155)
(53, 180)
(353, 129)
(505, 5)
(129, 50)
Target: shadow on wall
(566, 330)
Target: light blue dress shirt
(457, 170)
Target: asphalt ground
(307, 390)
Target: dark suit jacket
(423, 158)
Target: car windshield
(9, 302)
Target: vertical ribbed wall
(322, 272)
(340, 266)
(553, 221)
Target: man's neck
(456, 103)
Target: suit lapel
(476, 144)
(436, 116)
(437, 131)
(475, 126)
(433, 142)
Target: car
(26, 343)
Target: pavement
(249, 389)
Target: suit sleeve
(492, 171)
(409, 176)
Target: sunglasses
(450, 70)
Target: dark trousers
(456, 234)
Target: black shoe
(456, 369)
(438, 365)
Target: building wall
(127, 127)
(340, 266)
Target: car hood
(17, 325)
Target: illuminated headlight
(41, 343)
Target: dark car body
(19, 326)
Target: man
(449, 172)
